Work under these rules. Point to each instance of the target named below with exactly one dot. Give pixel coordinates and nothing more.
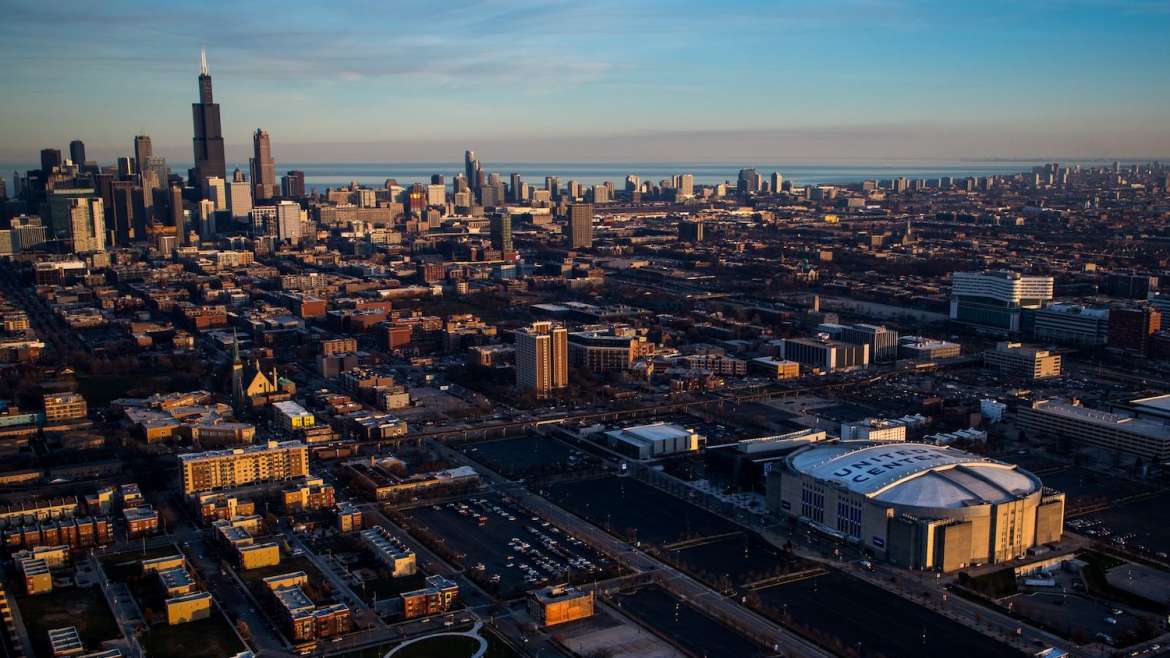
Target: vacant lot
(84, 608)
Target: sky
(601, 80)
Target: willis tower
(209, 154)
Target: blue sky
(604, 80)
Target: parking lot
(529, 456)
(1129, 525)
(684, 625)
(506, 547)
(847, 614)
(1073, 616)
(740, 559)
(637, 511)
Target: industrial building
(917, 505)
(653, 440)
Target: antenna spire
(202, 61)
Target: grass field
(84, 608)
(207, 638)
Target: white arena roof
(915, 474)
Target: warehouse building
(916, 505)
(653, 440)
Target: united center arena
(917, 505)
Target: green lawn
(207, 638)
(84, 608)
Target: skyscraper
(239, 195)
(501, 227)
(208, 140)
(777, 182)
(684, 186)
(178, 217)
(580, 226)
(50, 158)
(77, 152)
(542, 358)
(292, 184)
(470, 167)
(142, 154)
(263, 167)
(86, 225)
(748, 183)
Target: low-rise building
(349, 517)
(776, 368)
(1021, 361)
(653, 440)
(140, 521)
(188, 607)
(439, 595)
(559, 604)
(309, 494)
(388, 550)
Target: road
(682, 585)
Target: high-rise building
(777, 182)
(1131, 327)
(993, 300)
(632, 183)
(517, 184)
(143, 150)
(288, 221)
(580, 226)
(684, 186)
(292, 184)
(470, 167)
(748, 182)
(50, 158)
(240, 200)
(690, 231)
(263, 167)
(61, 209)
(208, 139)
(542, 358)
(882, 341)
(501, 227)
(215, 190)
(124, 213)
(177, 216)
(86, 228)
(77, 152)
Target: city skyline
(847, 80)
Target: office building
(143, 151)
(542, 358)
(559, 604)
(690, 231)
(1144, 438)
(580, 226)
(777, 182)
(748, 182)
(208, 139)
(288, 221)
(882, 341)
(824, 355)
(292, 184)
(240, 200)
(873, 429)
(1071, 324)
(919, 506)
(501, 232)
(223, 469)
(1017, 360)
(50, 158)
(1129, 285)
(77, 152)
(992, 301)
(1131, 327)
(919, 348)
(774, 368)
(263, 167)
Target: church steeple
(237, 375)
